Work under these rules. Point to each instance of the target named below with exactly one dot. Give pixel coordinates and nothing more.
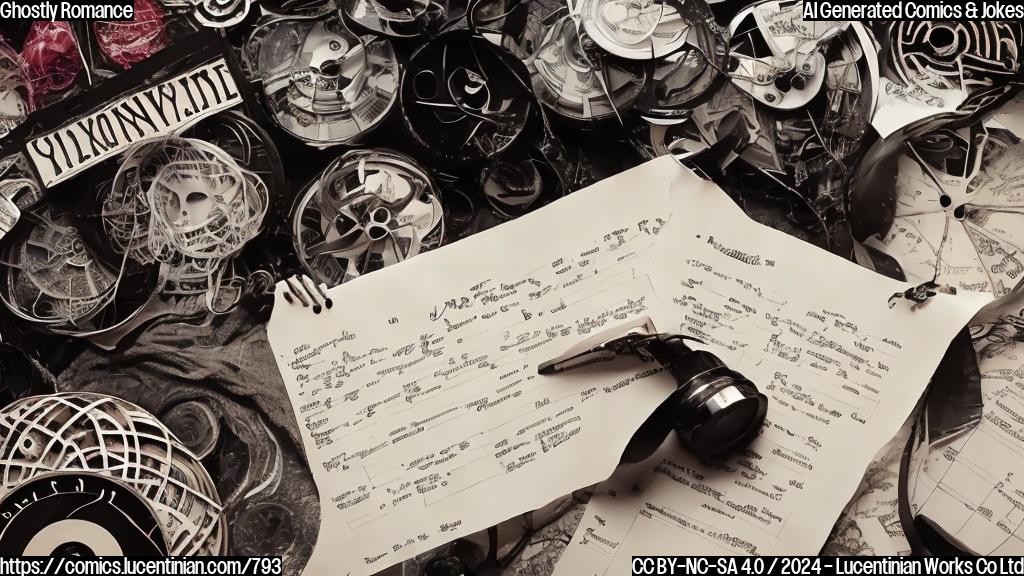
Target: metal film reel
(635, 29)
(89, 435)
(214, 13)
(778, 55)
(322, 83)
(368, 210)
(401, 18)
(51, 277)
(576, 83)
(465, 100)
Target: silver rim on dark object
(569, 82)
(638, 30)
(400, 18)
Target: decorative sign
(159, 110)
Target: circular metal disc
(635, 29)
(566, 81)
(323, 84)
(368, 210)
(400, 18)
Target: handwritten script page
(842, 371)
(423, 416)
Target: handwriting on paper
(973, 487)
(816, 334)
(424, 417)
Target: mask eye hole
(942, 39)
(194, 198)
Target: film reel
(635, 29)
(16, 96)
(575, 83)
(51, 276)
(977, 58)
(368, 210)
(958, 193)
(401, 18)
(778, 55)
(322, 83)
(90, 435)
(801, 94)
(214, 13)
(85, 515)
(464, 99)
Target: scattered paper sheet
(422, 413)
(972, 487)
(1011, 115)
(842, 370)
(870, 524)
(900, 106)
(963, 227)
(424, 420)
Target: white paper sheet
(870, 524)
(424, 420)
(1011, 115)
(422, 414)
(900, 106)
(841, 368)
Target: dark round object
(718, 409)
(195, 424)
(78, 515)
(463, 99)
